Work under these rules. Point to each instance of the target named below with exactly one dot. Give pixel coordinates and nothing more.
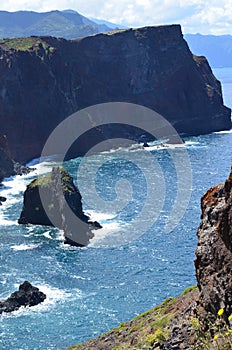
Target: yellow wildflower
(215, 337)
(220, 312)
(230, 317)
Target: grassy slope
(148, 329)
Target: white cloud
(204, 16)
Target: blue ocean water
(90, 290)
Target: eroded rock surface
(54, 200)
(27, 295)
(214, 250)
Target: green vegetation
(25, 44)
(155, 326)
(45, 180)
(189, 289)
(218, 335)
(159, 336)
(146, 329)
(41, 181)
(114, 31)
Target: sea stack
(54, 200)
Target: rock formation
(44, 80)
(60, 206)
(201, 317)
(27, 295)
(214, 250)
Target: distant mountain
(217, 49)
(107, 23)
(68, 24)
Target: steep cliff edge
(8, 167)
(200, 318)
(44, 80)
(214, 250)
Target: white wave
(15, 185)
(53, 297)
(81, 278)
(25, 246)
(98, 216)
(5, 222)
(224, 132)
(112, 150)
(47, 234)
(191, 143)
(103, 234)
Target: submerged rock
(2, 199)
(60, 206)
(27, 295)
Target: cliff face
(214, 250)
(8, 167)
(44, 80)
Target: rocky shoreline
(200, 318)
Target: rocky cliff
(200, 318)
(8, 167)
(44, 80)
(54, 200)
(214, 250)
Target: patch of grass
(161, 322)
(26, 44)
(143, 331)
(45, 180)
(160, 335)
(188, 290)
(40, 181)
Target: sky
(195, 16)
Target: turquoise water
(91, 290)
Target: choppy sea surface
(90, 290)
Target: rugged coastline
(44, 80)
(200, 318)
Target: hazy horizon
(196, 16)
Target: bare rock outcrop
(214, 251)
(27, 295)
(54, 200)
